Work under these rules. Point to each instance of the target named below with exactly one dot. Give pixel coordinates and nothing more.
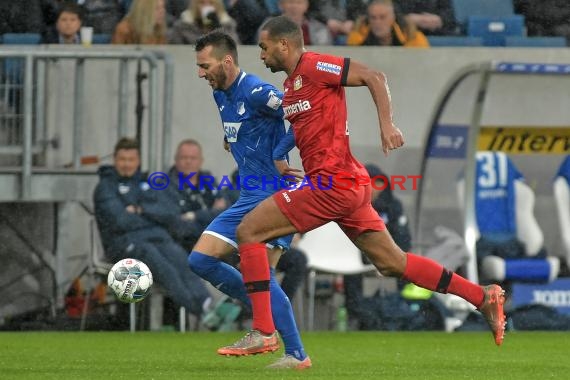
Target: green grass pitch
(355, 356)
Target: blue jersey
(252, 118)
(495, 195)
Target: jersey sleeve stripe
(345, 68)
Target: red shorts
(308, 208)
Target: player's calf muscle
(383, 253)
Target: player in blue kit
(255, 134)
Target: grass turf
(355, 356)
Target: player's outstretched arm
(361, 75)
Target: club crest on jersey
(298, 83)
(240, 108)
(329, 67)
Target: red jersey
(315, 105)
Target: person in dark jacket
(120, 198)
(23, 16)
(249, 15)
(191, 200)
(545, 17)
(390, 209)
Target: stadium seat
(21, 38)
(329, 250)
(100, 39)
(441, 41)
(463, 9)
(493, 30)
(498, 176)
(562, 198)
(518, 41)
(12, 69)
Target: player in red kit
(314, 102)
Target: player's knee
(244, 233)
(201, 264)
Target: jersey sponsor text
(299, 106)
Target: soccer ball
(130, 280)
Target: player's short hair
(221, 42)
(282, 26)
(126, 143)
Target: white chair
(562, 199)
(528, 230)
(329, 250)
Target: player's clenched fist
(392, 138)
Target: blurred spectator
(66, 30)
(201, 17)
(390, 209)
(545, 17)
(249, 15)
(184, 210)
(144, 24)
(314, 31)
(334, 14)
(175, 8)
(120, 198)
(103, 15)
(22, 16)
(432, 17)
(383, 27)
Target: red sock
(429, 274)
(254, 267)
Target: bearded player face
(212, 69)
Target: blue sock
(224, 277)
(285, 320)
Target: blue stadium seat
(463, 9)
(535, 41)
(13, 67)
(21, 38)
(99, 39)
(441, 41)
(494, 29)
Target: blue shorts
(225, 225)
